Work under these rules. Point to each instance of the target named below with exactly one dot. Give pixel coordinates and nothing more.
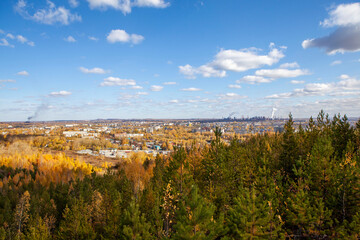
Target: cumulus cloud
(191, 89)
(93, 70)
(70, 39)
(156, 88)
(59, 94)
(281, 73)
(343, 15)
(169, 83)
(234, 86)
(115, 81)
(174, 101)
(125, 6)
(119, 35)
(23, 73)
(346, 38)
(269, 75)
(233, 60)
(346, 86)
(49, 15)
(142, 93)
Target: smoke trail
(273, 113)
(42, 107)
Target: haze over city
(77, 59)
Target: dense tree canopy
(300, 184)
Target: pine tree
(253, 217)
(342, 133)
(37, 229)
(194, 219)
(22, 213)
(290, 153)
(306, 216)
(135, 226)
(76, 222)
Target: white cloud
(191, 89)
(136, 87)
(70, 39)
(269, 75)
(151, 3)
(335, 63)
(233, 60)
(281, 73)
(156, 88)
(346, 38)
(5, 43)
(169, 83)
(49, 15)
(125, 6)
(254, 79)
(7, 81)
(2, 31)
(59, 94)
(21, 39)
(93, 70)
(119, 35)
(174, 101)
(142, 93)
(73, 3)
(23, 73)
(346, 86)
(114, 81)
(9, 35)
(93, 38)
(297, 82)
(343, 15)
(122, 5)
(204, 70)
(290, 65)
(230, 96)
(234, 86)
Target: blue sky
(89, 59)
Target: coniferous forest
(302, 184)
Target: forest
(302, 183)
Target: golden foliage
(49, 168)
